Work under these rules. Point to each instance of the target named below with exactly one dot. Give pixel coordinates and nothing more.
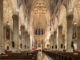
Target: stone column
(23, 37)
(55, 40)
(2, 46)
(11, 39)
(4, 35)
(25, 41)
(52, 42)
(26, 38)
(60, 38)
(69, 32)
(15, 32)
(63, 41)
(78, 37)
(28, 41)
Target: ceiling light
(17, 9)
(75, 23)
(70, 10)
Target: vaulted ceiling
(35, 14)
(32, 13)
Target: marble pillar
(69, 33)
(2, 46)
(15, 32)
(60, 38)
(23, 37)
(78, 37)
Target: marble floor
(42, 56)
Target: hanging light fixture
(75, 23)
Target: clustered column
(78, 37)
(27, 41)
(69, 32)
(63, 41)
(1, 28)
(55, 40)
(51, 42)
(23, 37)
(60, 37)
(15, 32)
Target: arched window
(56, 2)
(39, 32)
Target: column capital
(15, 17)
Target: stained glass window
(56, 2)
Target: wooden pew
(59, 55)
(20, 56)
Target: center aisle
(42, 56)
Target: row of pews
(59, 55)
(19, 56)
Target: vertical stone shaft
(1, 28)
(63, 41)
(59, 37)
(69, 32)
(55, 40)
(23, 37)
(78, 37)
(15, 31)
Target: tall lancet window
(56, 2)
(7, 31)
(25, 1)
